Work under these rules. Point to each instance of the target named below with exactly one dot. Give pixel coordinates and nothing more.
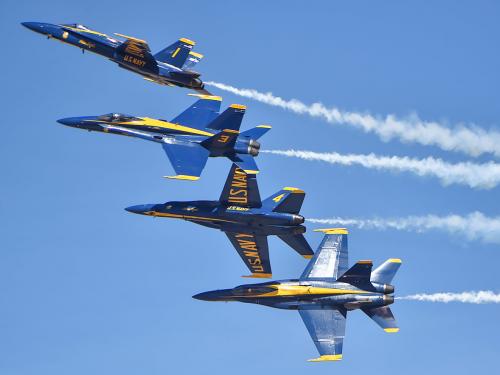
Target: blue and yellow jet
(189, 139)
(325, 292)
(171, 66)
(246, 220)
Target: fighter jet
(189, 139)
(325, 292)
(171, 66)
(246, 220)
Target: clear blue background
(87, 288)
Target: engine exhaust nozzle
(388, 300)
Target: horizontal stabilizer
(383, 317)
(192, 59)
(359, 274)
(177, 53)
(256, 132)
(231, 118)
(384, 273)
(287, 200)
(245, 162)
(299, 243)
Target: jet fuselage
(292, 294)
(157, 130)
(102, 44)
(226, 218)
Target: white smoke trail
(474, 226)
(483, 176)
(480, 297)
(470, 139)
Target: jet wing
(201, 113)
(327, 329)
(188, 159)
(330, 260)
(138, 44)
(254, 251)
(136, 53)
(241, 189)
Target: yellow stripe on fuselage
(304, 290)
(154, 123)
(187, 217)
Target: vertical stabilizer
(177, 53)
(384, 273)
(230, 119)
(287, 200)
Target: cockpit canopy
(117, 117)
(252, 290)
(76, 26)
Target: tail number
(223, 138)
(278, 198)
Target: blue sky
(86, 287)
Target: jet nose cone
(215, 295)
(35, 26)
(69, 121)
(140, 209)
(205, 296)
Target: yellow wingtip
(259, 275)
(364, 262)
(307, 256)
(183, 177)
(264, 126)
(238, 106)
(332, 230)
(391, 330)
(293, 189)
(323, 358)
(207, 97)
(187, 41)
(196, 54)
(231, 131)
(131, 38)
(394, 260)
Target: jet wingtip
(324, 358)
(207, 97)
(187, 41)
(183, 177)
(391, 330)
(250, 171)
(332, 230)
(259, 275)
(394, 260)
